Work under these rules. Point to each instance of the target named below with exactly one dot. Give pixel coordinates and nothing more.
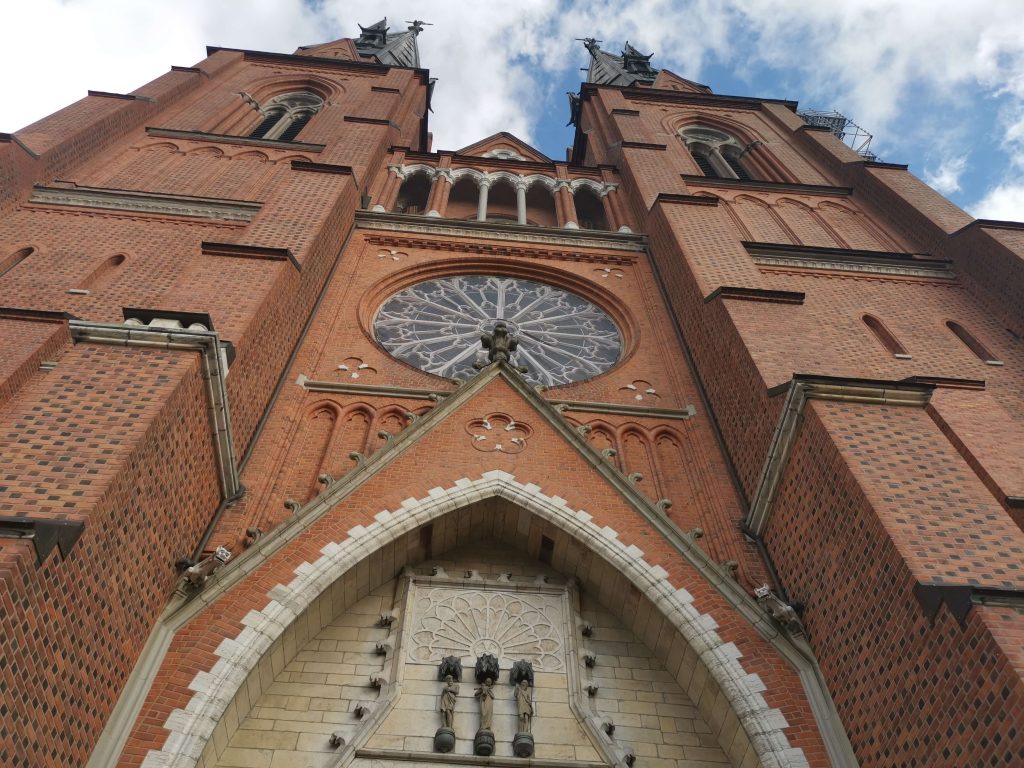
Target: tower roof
(392, 49)
(629, 68)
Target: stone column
(481, 208)
(521, 201)
(389, 194)
(615, 203)
(610, 214)
(568, 218)
(437, 205)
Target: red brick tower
(704, 446)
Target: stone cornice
(524, 235)
(766, 186)
(220, 138)
(661, 95)
(740, 293)
(410, 393)
(147, 202)
(880, 263)
(318, 61)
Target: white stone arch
(191, 728)
(473, 173)
(547, 182)
(408, 171)
(598, 188)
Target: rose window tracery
(436, 326)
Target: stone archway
(663, 618)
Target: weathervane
(416, 25)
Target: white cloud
(1003, 203)
(946, 179)
(877, 60)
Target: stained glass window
(436, 326)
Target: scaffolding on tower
(843, 128)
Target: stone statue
(450, 671)
(485, 694)
(521, 676)
(500, 344)
(449, 694)
(524, 705)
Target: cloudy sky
(939, 83)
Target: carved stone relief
(469, 623)
(498, 433)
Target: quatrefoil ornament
(498, 433)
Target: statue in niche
(485, 695)
(449, 695)
(450, 671)
(521, 676)
(524, 705)
(486, 670)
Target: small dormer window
(284, 116)
(718, 155)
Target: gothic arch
(854, 228)
(268, 88)
(758, 158)
(14, 259)
(104, 273)
(761, 220)
(728, 697)
(806, 224)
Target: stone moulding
(397, 222)
(618, 409)
(147, 202)
(846, 260)
(220, 138)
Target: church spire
(392, 49)
(629, 68)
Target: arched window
(413, 194)
(980, 350)
(6, 265)
(462, 200)
(285, 115)
(589, 209)
(718, 155)
(885, 337)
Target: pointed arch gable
(340, 524)
(697, 645)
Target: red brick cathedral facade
(702, 447)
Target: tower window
(718, 155)
(980, 350)
(6, 265)
(284, 116)
(885, 337)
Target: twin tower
(736, 479)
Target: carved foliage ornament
(436, 326)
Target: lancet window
(718, 155)
(285, 115)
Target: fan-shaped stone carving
(467, 624)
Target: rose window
(436, 326)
